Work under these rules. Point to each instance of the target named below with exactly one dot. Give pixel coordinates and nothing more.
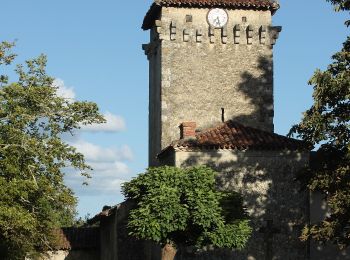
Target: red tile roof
(154, 10)
(232, 135)
(78, 238)
(228, 3)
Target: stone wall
(275, 203)
(108, 238)
(196, 71)
(76, 243)
(123, 246)
(154, 131)
(74, 255)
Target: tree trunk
(168, 252)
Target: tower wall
(204, 74)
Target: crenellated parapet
(237, 34)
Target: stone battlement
(231, 34)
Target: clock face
(217, 17)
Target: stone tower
(209, 61)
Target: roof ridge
(154, 10)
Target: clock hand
(217, 21)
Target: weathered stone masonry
(262, 166)
(201, 76)
(198, 72)
(265, 179)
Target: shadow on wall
(266, 179)
(258, 90)
(274, 201)
(277, 206)
(77, 244)
(316, 206)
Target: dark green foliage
(341, 5)
(327, 124)
(34, 200)
(182, 207)
(6, 57)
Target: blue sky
(94, 49)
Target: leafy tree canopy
(33, 197)
(182, 207)
(341, 5)
(327, 125)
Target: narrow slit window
(188, 18)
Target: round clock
(217, 17)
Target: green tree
(341, 5)
(33, 197)
(183, 207)
(327, 126)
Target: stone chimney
(188, 130)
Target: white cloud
(63, 91)
(114, 123)
(97, 153)
(127, 153)
(106, 179)
(109, 165)
(110, 168)
(98, 185)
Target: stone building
(211, 103)
(203, 72)
(262, 167)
